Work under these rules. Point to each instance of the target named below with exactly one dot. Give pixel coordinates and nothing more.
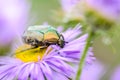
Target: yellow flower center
(27, 54)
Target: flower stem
(82, 60)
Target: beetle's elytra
(43, 35)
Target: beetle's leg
(42, 47)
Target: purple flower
(67, 5)
(105, 9)
(116, 74)
(70, 10)
(108, 9)
(13, 16)
(93, 72)
(52, 63)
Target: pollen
(27, 54)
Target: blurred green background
(42, 11)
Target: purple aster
(67, 5)
(116, 74)
(108, 9)
(93, 72)
(71, 10)
(52, 63)
(13, 16)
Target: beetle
(44, 36)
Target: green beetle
(43, 35)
